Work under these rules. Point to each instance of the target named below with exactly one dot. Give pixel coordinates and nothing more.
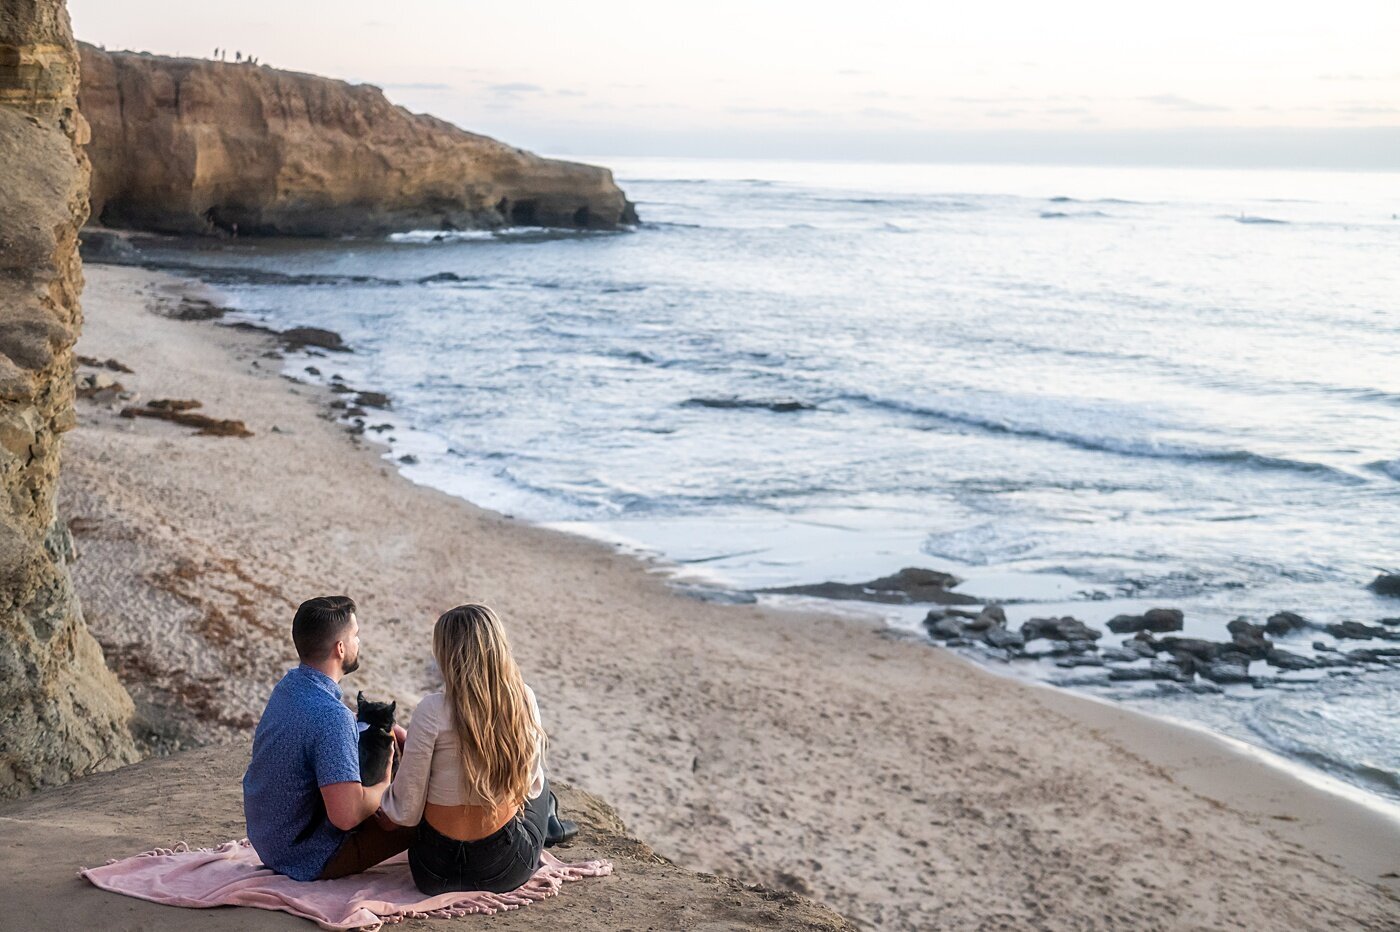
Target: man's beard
(350, 667)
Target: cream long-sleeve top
(431, 769)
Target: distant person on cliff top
(309, 816)
(472, 778)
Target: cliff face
(192, 146)
(62, 712)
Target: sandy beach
(886, 778)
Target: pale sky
(1239, 81)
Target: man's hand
(400, 736)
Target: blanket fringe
(547, 882)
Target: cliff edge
(62, 712)
(190, 146)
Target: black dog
(376, 740)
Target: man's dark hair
(319, 623)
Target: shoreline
(769, 716)
(693, 581)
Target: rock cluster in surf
(1071, 643)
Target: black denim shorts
(497, 863)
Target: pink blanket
(232, 875)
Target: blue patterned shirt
(305, 740)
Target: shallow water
(1095, 390)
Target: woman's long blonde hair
(499, 737)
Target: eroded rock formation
(192, 146)
(62, 712)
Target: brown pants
(366, 845)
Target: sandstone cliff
(61, 711)
(191, 146)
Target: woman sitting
(472, 776)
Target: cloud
(1366, 108)
(416, 86)
(784, 112)
(570, 93)
(1175, 102)
(851, 72)
(882, 113)
(515, 87)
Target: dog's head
(376, 714)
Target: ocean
(1084, 391)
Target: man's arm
(349, 804)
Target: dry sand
(889, 779)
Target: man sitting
(308, 815)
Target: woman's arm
(403, 803)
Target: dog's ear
(392, 706)
(360, 699)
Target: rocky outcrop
(62, 712)
(192, 146)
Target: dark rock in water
(373, 400)
(1083, 660)
(1156, 619)
(993, 616)
(1375, 655)
(1392, 622)
(1126, 624)
(1219, 671)
(1157, 670)
(1171, 670)
(1324, 646)
(1249, 638)
(959, 642)
(1243, 625)
(1196, 647)
(1287, 660)
(302, 337)
(1386, 584)
(102, 248)
(1118, 655)
(1141, 646)
(907, 586)
(1357, 631)
(944, 628)
(1281, 623)
(998, 636)
(1164, 619)
(408, 459)
(778, 405)
(1059, 629)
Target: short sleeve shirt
(306, 739)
